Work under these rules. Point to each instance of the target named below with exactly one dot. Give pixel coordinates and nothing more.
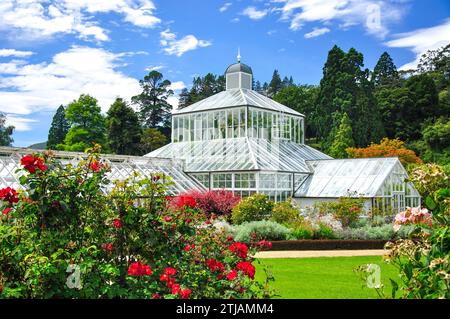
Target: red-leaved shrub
(216, 202)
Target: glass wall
(235, 122)
(278, 186)
(396, 194)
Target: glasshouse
(247, 143)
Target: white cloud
(374, 15)
(316, 32)
(176, 86)
(254, 13)
(20, 124)
(27, 88)
(154, 68)
(225, 7)
(421, 40)
(15, 53)
(36, 19)
(172, 46)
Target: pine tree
(275, 84)
(123, 129)
(58, 129)
(265, 89)
(154, 108)
(385, 71)
(5, 131)
(258, 87)
(343, 138)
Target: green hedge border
(327, 244)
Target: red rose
(215, 265)
(232, 274)
(185, 293)
(95, 165)
(264, 244)
(189, 247)
(239, 249)
(156, 296)
(170, 271)
(156, 178)
(117, 223)
(167, 219)
(9, 195)
(6, 210)
(176, 289)
(138, 269)
(247, 268)
(107, 247)
(186, 201)
(31, 163)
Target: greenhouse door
(399, 202)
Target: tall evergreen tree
(154, 108)
(301, 99)
(123, 129)
(342, 139)
(87, 125)
(58, 129)
(5, 131)
(265, 89)
(258, 87)
(385, 71)
(345, 87)
(275, 84)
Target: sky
(53, 51)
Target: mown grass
(324, 277)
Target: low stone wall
(328, 244)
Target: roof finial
(239, 55)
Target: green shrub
(253, 208)
(259, 230)
(285, 213)
(324, 232)
(303, 232)
(347, 210)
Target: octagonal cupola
(239, 75)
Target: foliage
(152, 139)
(429, 178)
(345, 87)
(5, 131)
(202, 87)
(386, 148)
(123, 129)
(125, 244)
(382, 232)
(87, 125)
(275, 84)
(301, 99)
(385, 71)
(215, 203)
(424, 263)
(437, 135)
(58, 129)
(253, 208)
(324, 232)
(304, 231)
(343, 139)
(285, 213)
(260, 230)
(154, 108)
(346, 210)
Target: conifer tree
(58, 129)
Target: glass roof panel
(341, 177)
(241, 154)
(236, 97)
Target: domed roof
(239, 67)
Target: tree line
(351, 107)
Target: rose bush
(64, 236)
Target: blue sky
(52, 51)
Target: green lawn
(325, 277)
